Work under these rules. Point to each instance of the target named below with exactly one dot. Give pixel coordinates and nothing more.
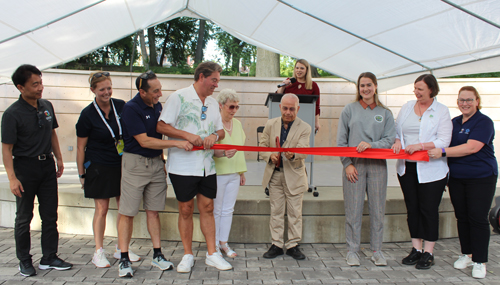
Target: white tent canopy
(395, 39)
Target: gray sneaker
(125, 268)
(162, 263)
(352, 258)
(379, 259)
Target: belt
(278, 168)
(40, 157)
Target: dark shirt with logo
(481, 164)
(28, 128)
(139, 118)
(100, 144)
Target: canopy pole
(471, 13)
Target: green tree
(234, 50)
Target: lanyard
(106, 123)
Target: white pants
(227, 191)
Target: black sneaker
(273, 252)
(295, 253)
(413, 257)
(54, 263)
(125, 268)
(26, 268)
(426, 261)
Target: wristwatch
(217, 135)
(81, 175)
(223, 153)
(443, 154)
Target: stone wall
(69, 92)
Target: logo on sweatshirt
(379, 118)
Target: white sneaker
(186, 264)
(352, 258)
(379, 259)
(131, 256)
(463, 262)
(100, 260)
(479, 270)
(216, 260)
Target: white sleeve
(171, 110)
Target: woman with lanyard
(98, 156)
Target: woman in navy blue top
(473, 178)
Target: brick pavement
(325, 264)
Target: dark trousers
(422, 203)
(472, 199)
(38, 178)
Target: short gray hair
(226, 95)
(288, 95)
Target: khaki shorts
(142, 178)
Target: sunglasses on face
(145, 76)
(203, 110)
(232, 107)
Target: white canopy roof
(395, 39)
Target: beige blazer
(295, 170)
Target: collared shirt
(100, 144)
(481, 164)
(29, 129)
(364, 105)
(183, 112)
(139, 118)
(435, 127)
(284, 135)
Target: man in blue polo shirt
(143, 173)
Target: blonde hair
(309, 81)
(93, 80)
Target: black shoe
(26, 268)
(426, 261)
(54, 262)
(273, 252)
(413, 257)
(295, 253)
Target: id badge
(119, 144)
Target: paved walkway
(325, 264)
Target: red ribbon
(374, 153)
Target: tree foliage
(236, 52)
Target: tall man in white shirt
(190, 114)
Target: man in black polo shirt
(29, 144)
(143, 170)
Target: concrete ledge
(323, 216)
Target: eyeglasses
(463, 101)
(41, 117)
(203, 110)
(232, 107)
(145, 76)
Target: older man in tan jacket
(286, 176)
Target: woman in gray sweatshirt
(365, 123)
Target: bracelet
(223, 153)
(421, 144)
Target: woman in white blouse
(423, 124)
